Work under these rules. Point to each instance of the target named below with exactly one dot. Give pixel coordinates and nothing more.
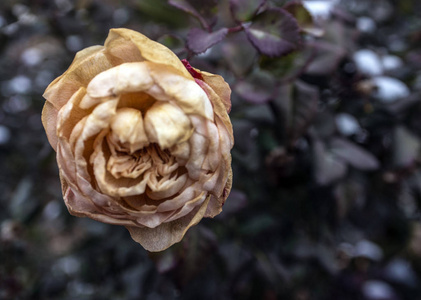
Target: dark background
(327, 180)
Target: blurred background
(327, 180)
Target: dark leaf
(244, 10)
(303, 17)
(348, 194)
(244, 141)
(204, 10)
(353, 154)
(158, 10)
(257, 88)
(274, 32)
(199, 40)
(239, 54)
(258, 224)
(406, 147)
(298, 104)
(328, 168)
(290, 66)
(236, 201)
(304, 107)
(326, 58)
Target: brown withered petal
(139, 141)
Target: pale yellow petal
(149, 50)
(49, 121)
(70, 114)
(167, 125)
(219, 86)
(127, 127)
(125, 78)
(187, 94)
(87, 64)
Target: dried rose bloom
(141, 140)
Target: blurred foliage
(327, 178)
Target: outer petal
(219, 108)
(149, 50)
(49, 120)
(86, 65)
(167, 234)
(221, 88)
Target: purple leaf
(199, 40)
(257, 88)
(326, 58)
(274, 32)
(203, 10)
(303, 17)
(239, 54)
(287, 68)
(354, 155)
(244, 10)
(236, 201)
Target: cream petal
(166, 124)
(66, 161)
(211, 180)
(167, 234)
(78, 205)
(187, 94)
(68, 171)
(127, 127)
(70, 114)
(216, 203)
(167, 168)
(99, 119)
(198, 149)
(191, 191)
(76, 132)
(209, 131)
(108, 184)
(219, 109)
(154, 220)
(83, 194)
(125, 78)
(182, 152)
(213, 157)
(189, 206)
(96, 122)
(127, 166)
(166, 187)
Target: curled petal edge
(167, 234)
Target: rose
(141, 139)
